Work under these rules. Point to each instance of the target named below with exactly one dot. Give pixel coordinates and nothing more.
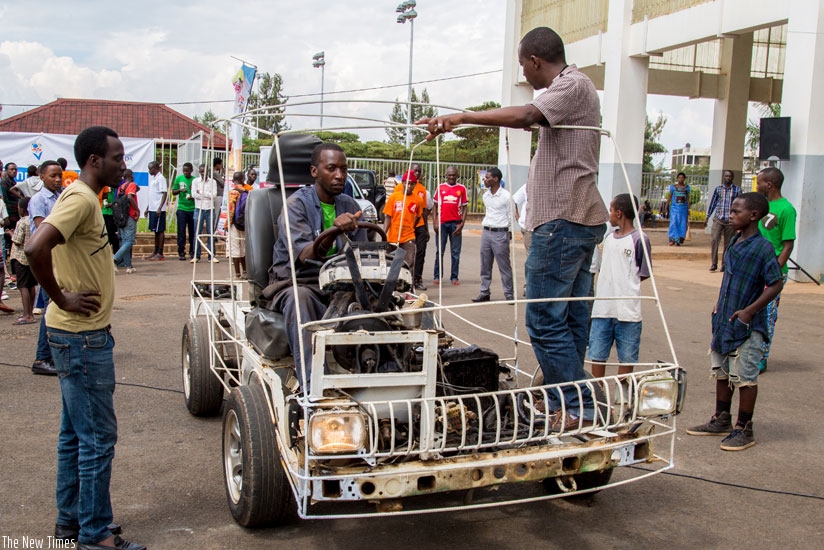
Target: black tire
(201, 388)
(257, 490)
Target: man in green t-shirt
(778, 227)
(182, 189)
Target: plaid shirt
(562, 177)
(749, 266)
(18, 240)
(721, 202)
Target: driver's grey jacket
(306, 223)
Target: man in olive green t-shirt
(70, 256)
(182, 189)
(778, 227)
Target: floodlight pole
(319, 60)
(409, 89)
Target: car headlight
(370, 214)
(657, 396)
(337, 432)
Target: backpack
(120, 208)
(239, 219)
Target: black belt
(496, 229)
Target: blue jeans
(88, 430)
(606, 330)
(203, 225)
(185, 222)
(123, 257)
(43, 352)
(448, 232)
(558, 267)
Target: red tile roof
(127, 118)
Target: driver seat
(265, 329)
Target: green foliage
(269, 94)
(398, 115)
(207, 118)
(483, 142)
(652, 133)
(753, 138)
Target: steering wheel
(326, 237)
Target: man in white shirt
(156, 209)
(495, 237)
(204, 191)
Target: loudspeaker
(775, 138)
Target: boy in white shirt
(623, 267)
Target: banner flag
(242, 83)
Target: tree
(269, 94)
(483, 142)
(753, 139)
(652, 133)
(398, 115)
(207, 118)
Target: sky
(181, 53)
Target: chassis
(398, 414)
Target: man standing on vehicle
(71, 257)
(312, 210)
(566, 213)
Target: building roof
(127, 118)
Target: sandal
(6, 309)
(22, 321)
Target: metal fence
(655, 186)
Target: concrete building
(732, 51)
(690, 156)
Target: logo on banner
(36, 150)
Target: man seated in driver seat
(311, 210)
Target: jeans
(43, 352)
(203, 225)
(448, 232)
(606, 330)
(123, 257)
(772, 317)
(185, 222)
(88, 430)
(558, 267)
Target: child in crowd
(402, 211)
(26, 283)
(752, 278)
(237, 223)
(623, 266)
(4, 221)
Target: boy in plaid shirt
(752, 278)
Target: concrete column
(624, 105)
(729, 122)
(801, 101)
(514, 163)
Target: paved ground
(167, 487)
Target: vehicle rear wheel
(256, 485)
(201, 388)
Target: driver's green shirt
(329, 216)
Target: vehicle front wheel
(201, 388)
(256, 485)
